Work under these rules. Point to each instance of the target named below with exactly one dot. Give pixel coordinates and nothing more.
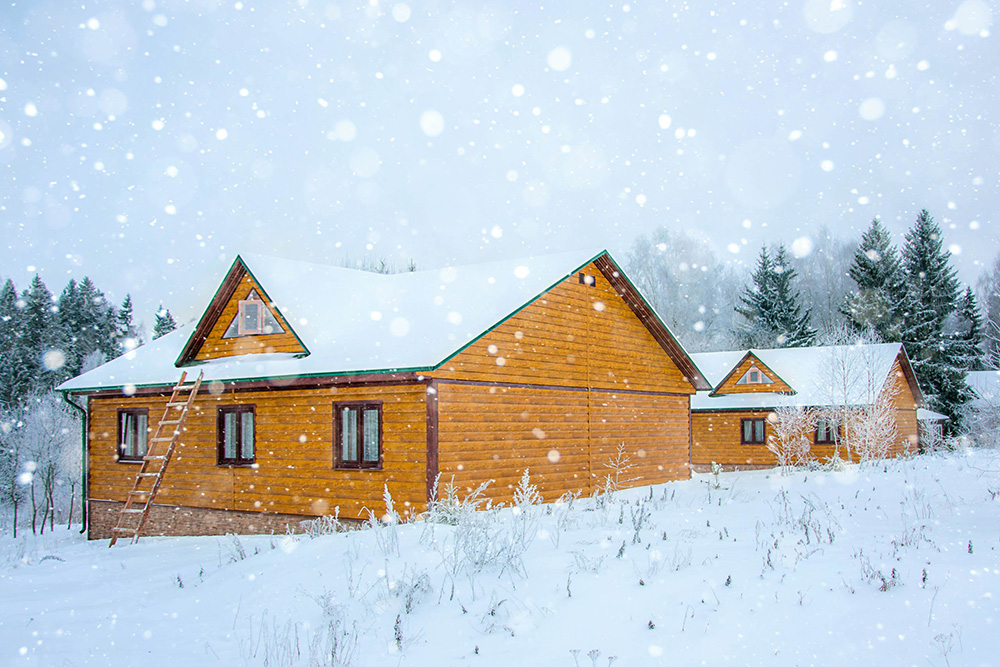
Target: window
(357, 435)
(251, 317)
(754, 376)
(752, 431)
(133, 429)
(826, 432)
(236, 435)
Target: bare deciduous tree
(792, 427)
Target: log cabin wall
(216, 347)
(293, 472)
(556, 388)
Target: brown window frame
(119, 447)
(835, 429)
(259, 329)
(743, 440)
(339, 462)
(220, 434)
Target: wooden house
(323, 385)
(732, 423)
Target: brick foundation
(172, 520)
(707, 467)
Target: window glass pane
(747, 431)
(759, 430)
(247, 433)
(141, 432)
(251, 315)
(127, 435)
(229, 435)
(349, 434)
(371, 435)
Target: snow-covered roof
(986, 384)
(923, 414)
(829, 375)
(354, 321)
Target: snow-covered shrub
(385, 527)
(324, 525)
(619, 464)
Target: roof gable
(222, 333)
(736, 381)
(381, 323)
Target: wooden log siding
(216, 347)
(574, 335)
(564, 436)
(293, 473)
(556, 388)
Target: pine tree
(99, 331)
(968, 333)
(125, 330)
(878, 273)
(164, 323)
(771, 307)
(37, 332)
(931, 299)
(9, 341)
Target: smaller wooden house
(325, 385)
(732, 424)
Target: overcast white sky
(146, 143)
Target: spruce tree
(125, 330)
(878, 273)
(9, 343)
(967, 338)
(36, 335)
(98, 331)
(771, 307)
(164, 323)
(931, 298)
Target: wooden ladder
(154, 463)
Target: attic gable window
(754, 376)
(251, 317)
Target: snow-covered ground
(897, 564)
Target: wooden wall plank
(294, 453)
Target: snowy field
(897, 564)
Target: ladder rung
(138, 492)
(161, 439)
(176, 404)
(119, 529)
(132, 511)
(148, 474)
(171, 421)
(153, 458)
